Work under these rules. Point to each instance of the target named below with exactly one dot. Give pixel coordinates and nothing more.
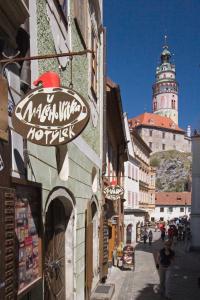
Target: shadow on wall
(20, 163)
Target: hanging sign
(51, 116)
(113, 192)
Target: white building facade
(133, 215)
(170, 205)
(195, 214)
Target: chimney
(189, 131)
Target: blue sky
(135, 36)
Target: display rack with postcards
(28, 232)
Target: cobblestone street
(142, 284)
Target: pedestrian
(162, 233)
(145, 236)
(150, 237)
(188, 237)
(170, 233)
(175, 235)
(165, 259)
(180, 231)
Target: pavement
(143, 283)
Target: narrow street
(142, 284)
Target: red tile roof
(154, 120)
(173, 198)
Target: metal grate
(104, 289)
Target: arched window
(173, 104)
(155, 105)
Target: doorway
(129, 234)
(92, 242)
(59, 244)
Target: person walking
(165, 259)
(170, 233)
(162, 233)
(145, 236)
(188, 239)
(150, 237)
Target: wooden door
(55, 251)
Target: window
(133, 199)
(63, 5)
(170, 209)
(163, 146)
(80, 13)
(129, 198)
(94, 47)
(133, 172)
(150, 145)
(174, 137)
(181, 209)
(136, 199)
(161, 209)
(129, 171)
(136, 174)
(150, 132)
(58, 24)
(189, 209)
(163, 135)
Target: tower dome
(165, 55)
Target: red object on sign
(113, 182)
(48, 79)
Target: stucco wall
(195, 216)
(157, 140)
(83, 153)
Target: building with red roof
(170, 205)
(160, 133)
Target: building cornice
(161, 128)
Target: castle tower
(165, 89)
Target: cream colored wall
(157, 140)
(195, 215)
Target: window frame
(94, 64)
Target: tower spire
(165, 42)
(165, 55)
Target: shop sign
(113, 192)
(51, 116)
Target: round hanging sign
(51, 116)
(113, 192)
